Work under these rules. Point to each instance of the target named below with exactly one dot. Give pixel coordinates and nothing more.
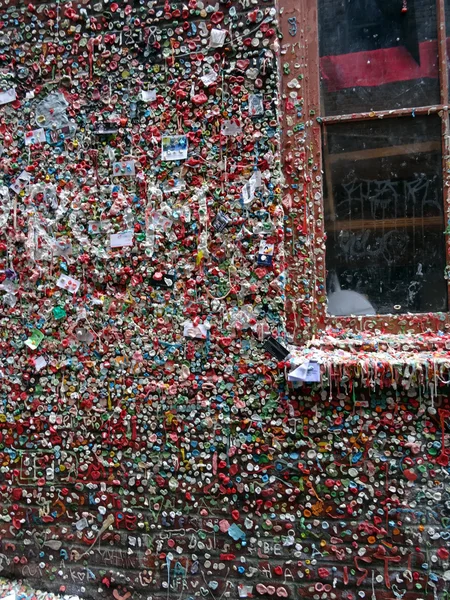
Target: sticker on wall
(124, 168)
(230, 128)
(21, 182)
(174, 147)
(249, 189)
(217, 38)
(35, 136)
(8, 96)
(148, 95)
(121, 239)
(255, 105)
(265, 253)
(195, 330)
(68, 283)
(35, 339)
(308, 372)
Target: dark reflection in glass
(384, 217)
(375, 55)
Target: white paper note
(217, 38)
(198, 332)
(124, 238)
(209, 78)
(21, 182)
(309, 372)
(148, 95)
(8, 96)
(249, 189)
(230, 128)
(40, 363)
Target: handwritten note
(124, 238)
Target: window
(384, 217)
(378, 55)
(384, 86)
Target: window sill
(408, 360)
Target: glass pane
(384, 217)
(377, 54)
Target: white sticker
(209, 78)
(68, 283)
(124, 238)
(230, 128)
(265, 253)
(40, 363)
(124, 168)
(217, 38)
(21, 182)
(266, 248)
(148, 95)
(8, 96)
(198, 332)
(35, 136)
(81, 524)
(245, 591)
(94, 227)
(249, 189)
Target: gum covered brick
(150, 445)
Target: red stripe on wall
(378, 67)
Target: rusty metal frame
(384, 114)
(307, 312)
(444, 93)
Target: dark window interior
(384, 216)
(377, 54)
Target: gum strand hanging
(154, 200)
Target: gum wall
(150, 447)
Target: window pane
(376, 56)
(384, 217)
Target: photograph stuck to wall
(174, 147)
(255, 105)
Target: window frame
(306, 302)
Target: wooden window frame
(302, 134)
